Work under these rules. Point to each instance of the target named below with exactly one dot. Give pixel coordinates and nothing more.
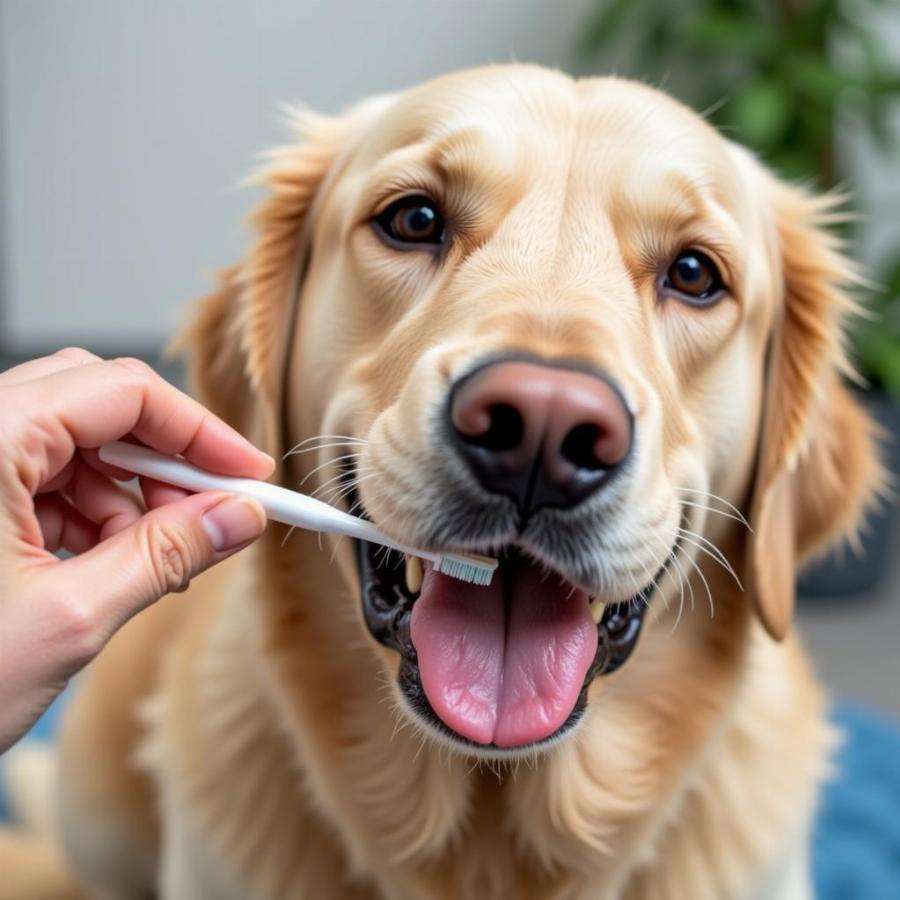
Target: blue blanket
(856, 853)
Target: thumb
(160, 553)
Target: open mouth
(504, 666)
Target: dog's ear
(817, 466)
(238, 338)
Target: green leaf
(880, 357)
(606, 25)
(815, 77)
(793, 164)
(761, 113)
(730, 31)
(878, 342)
(884, 84)
(891, 279)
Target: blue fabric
(856, 851)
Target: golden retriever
(565, 323)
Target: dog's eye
(412, 220)
(694, 276)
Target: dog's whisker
(713, 552)
(356, 508)
(321, 438)
(641, 596)
(385, 522)
(316, 448)
(682, 579)
(706, 541)
(313, 448)
(718, 512)
(381, 555)
(337, 494)
(340, 477)
(722, 500)
(338, 482)
(330, 462)
(399, 725)
(699, 571)
(687, 578)
(660, 594)
(289, 532)
(670, 555)
(680, 593)
(343, 485)
(337, 546)
(326, 436)
(340, 491)
(646, 601)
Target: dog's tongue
(498, 672)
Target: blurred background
(126, 127)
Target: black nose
(541, 434)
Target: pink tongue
(504, 679)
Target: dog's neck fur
(584, 820)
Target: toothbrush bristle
(467, 568)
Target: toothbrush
(286, 506)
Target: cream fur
(272, 742)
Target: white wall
(872, 174)
(125, 125)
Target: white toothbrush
(286, 506)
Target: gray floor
(854, 639)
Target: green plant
(775, 75)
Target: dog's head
(560, 322)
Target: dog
(559, 322)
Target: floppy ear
(817, 466)
(238, 339)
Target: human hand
(56, 615)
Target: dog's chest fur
(293, 768)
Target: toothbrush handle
(280, 504)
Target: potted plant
(779, 76)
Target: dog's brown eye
(412, 221)
(694, 276)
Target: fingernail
(233, 522)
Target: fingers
(59, 614)
(47, 365)
(62, 526)
(156, 493)
(95, 497)
(60, 480)
(158, 554)
(91, 404)
(101, 500)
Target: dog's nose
(541, 434)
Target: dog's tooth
(597, 610)
(413, 574)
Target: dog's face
(537, 320)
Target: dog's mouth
(504, 666)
